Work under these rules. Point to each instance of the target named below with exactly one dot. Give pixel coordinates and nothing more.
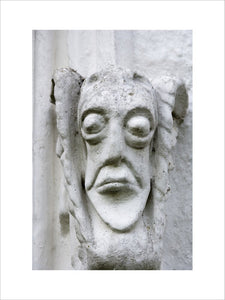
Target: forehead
(119, 98)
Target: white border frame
(206, 19)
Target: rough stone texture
(153, 53)
(178, 234)
(116, 132)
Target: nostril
(114, 160)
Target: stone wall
(153, 53)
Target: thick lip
(112, 180)
(109, 185)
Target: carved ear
(66, 85)
(173, 92)
(172, 102)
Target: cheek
(141, 162)
(94, 152)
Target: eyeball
(93, 123)
(138, 126)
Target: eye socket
(93, 123)
(138, 126)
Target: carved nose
(115, 145)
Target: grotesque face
(117, 119)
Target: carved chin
(119, 206)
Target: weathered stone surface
(116, 132)
(153, 53)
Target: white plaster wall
(153, 53)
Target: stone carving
(116, 132)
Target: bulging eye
(138, 126)
(93, 123)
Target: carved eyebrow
(96, 110)
(140, 111)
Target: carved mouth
(112, 185)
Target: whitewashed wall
(153, 53)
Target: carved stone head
(117, 115)
(116, 132)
